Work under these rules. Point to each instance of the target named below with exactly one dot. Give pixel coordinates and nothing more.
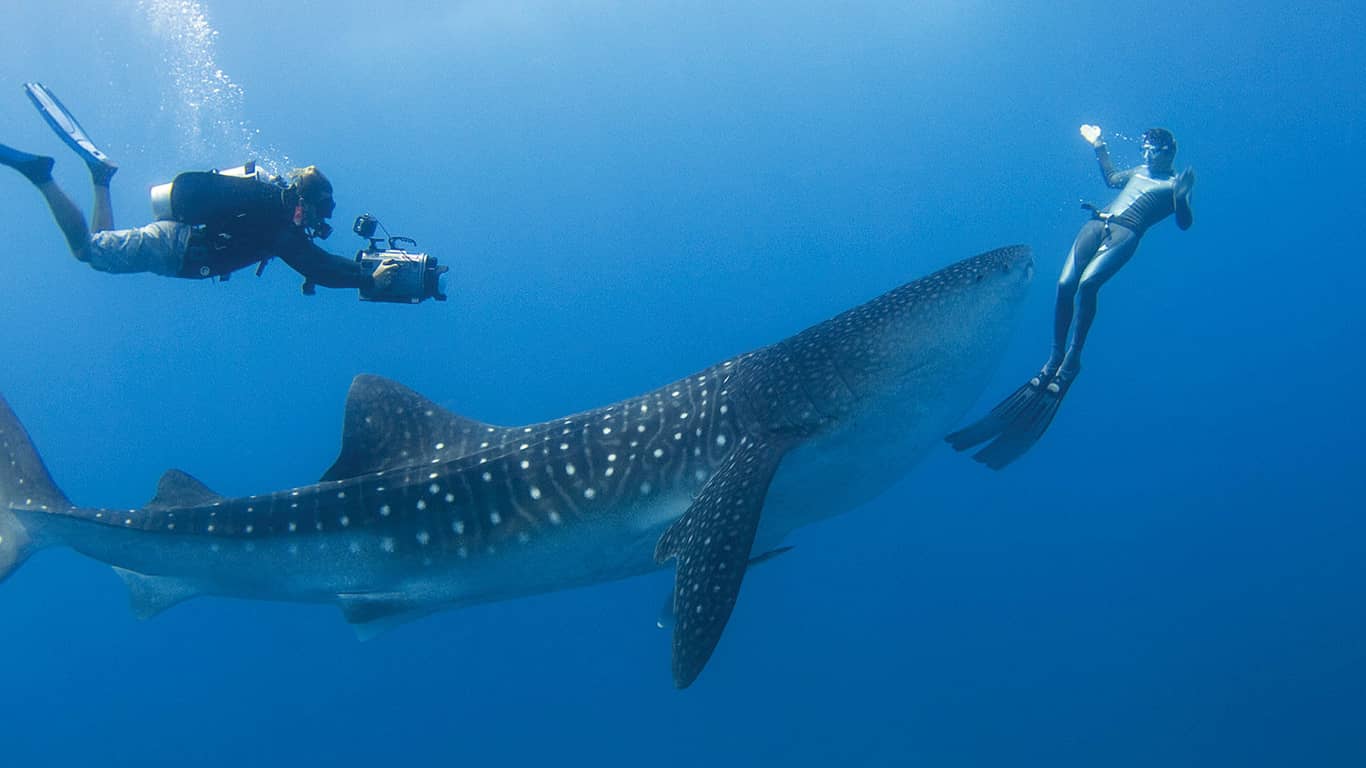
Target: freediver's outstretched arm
(1113, 179)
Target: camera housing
(416, 277)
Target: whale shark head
(961, 316)
(929, 344)
(937, 343)
(831, 418)
(871, 390)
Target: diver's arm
(1181, 192)
(1113, 179)
(320, 267)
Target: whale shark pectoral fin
(150, 595)
(711, 542)
(666, 611)
(388, 425)
(371, 614)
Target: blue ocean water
(627, 192)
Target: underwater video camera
(417, 277)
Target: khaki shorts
(158, 247)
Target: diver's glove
(1092, 134)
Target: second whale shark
(425, 509)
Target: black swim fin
(64, 124)
(997, 420)
(1031, 421)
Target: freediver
(232, 221)
(1150, 192)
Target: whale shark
(425, 509)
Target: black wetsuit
(1102, 247)
(1143, 201)
(1105, 244)
(242, 221)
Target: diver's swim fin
(1031, 421)
(64, 124)
(997, 420)
(37, 168)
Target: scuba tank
(190, 197)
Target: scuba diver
(210, 224)
(1149, 193)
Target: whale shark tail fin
(15, 544)
(25, 486)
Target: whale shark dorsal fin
(712, 542)
(389, 425)
(178, 489)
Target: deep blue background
(629, 191)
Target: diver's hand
(1092, 134)
(385, 272)
(1181, 197)
(1184, 182)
